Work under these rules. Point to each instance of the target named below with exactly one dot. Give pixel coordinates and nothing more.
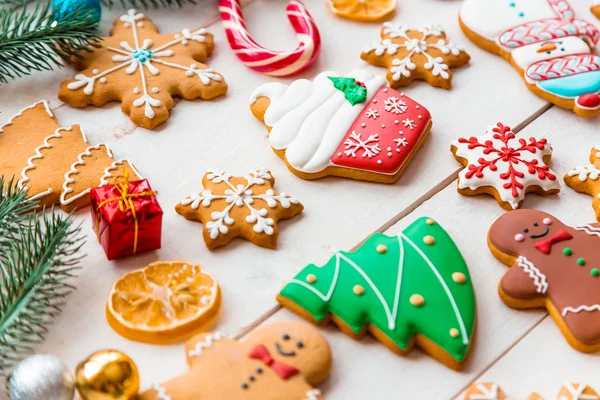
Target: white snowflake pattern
(139, 55)
(369, 147)
(240, 196)
(403, 67)
(409, 123)
(401, 142)
(395, 105)
(371, 113)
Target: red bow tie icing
(282, 370)
(546, 245)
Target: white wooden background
(521, 350)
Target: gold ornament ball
(107, 375)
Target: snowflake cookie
(584, 179)
(144, 70)
(56, 165)
(281, 360)
(411, 54)
(239, 206)
(507, 167)
(355, 126)
(552, 266)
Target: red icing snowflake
(509, 164)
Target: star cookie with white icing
(144, 69)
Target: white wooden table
(521, 350)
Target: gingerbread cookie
(411, 54)
(485, 391)
(577, 391)
(247, 206)
(584, 179)
(505, 166)
(406, 290)
(350, 126)
(144, 70)
(544, 41)
(553, 266)
(55, 164)
(596, 10)
(282, 360)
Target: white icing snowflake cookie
(506, 166)
(247, 206)
(144, 70)
(411, 54)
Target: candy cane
(270, 62)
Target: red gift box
(127, 217)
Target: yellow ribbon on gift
(125, 204)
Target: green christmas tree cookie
(409, 289)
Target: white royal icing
(577, 310)
(313, 394)
(309, 119)
(489, 18)
(161, 392)
(485, 393)
(584, 173)
(539, 279)
(589, 229)
(577, 394)
(208, 342)
(21, 111)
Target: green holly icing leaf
(413, 283)
(354, 91)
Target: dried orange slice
(363, 10)
(165, 302)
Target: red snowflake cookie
(509, 165)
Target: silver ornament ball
(41, 377)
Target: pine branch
(35, 269)
(145, 4)
(36, 41)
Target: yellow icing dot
(430, 240)
(430, 221)
(459, 277)
(381, 249)
(417, 300)
(310, 278)
(358, 290)
(454, 332)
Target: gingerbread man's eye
(525, 230)
(535, 224)
(286, 337)
(300, 345)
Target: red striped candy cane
(271, 62)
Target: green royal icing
(390, 278)
(353, 92)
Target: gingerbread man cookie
(144, 70)
(239, 206)
(406, 290)
(349, 126)
(584, 179)
(55, 164)
(544, 41)
(282, 360)
(553, 266)
(505, 166)
(410, 54)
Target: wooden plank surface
(339, 213)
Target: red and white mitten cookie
(485, 391)
(350, 126)
(55, 164)
(504, 165)
(282, 360)
(554, 266)
(144, 69)
(546, 43)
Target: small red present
(127, 217)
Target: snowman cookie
(546, 43)
(553, 266)
(283, 360)
(352, 126)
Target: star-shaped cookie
(411, 54)
(584, 179)
(144, 70)
(507, 167)
(245, 206)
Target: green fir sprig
(36, 40)
(39, 256)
